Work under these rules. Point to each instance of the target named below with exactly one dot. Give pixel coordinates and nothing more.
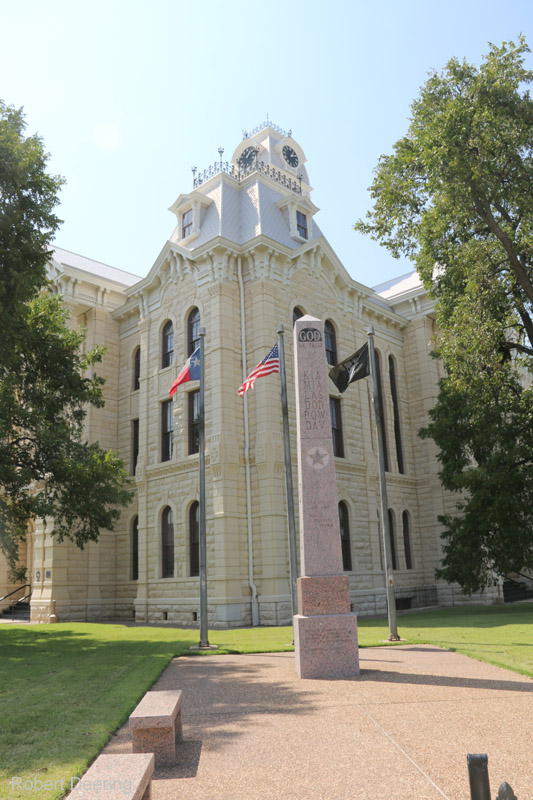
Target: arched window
(345, 537)
(193, 331)
(330, 340)
(194, 540)
(167, 348)
(167, 543)
(396, 407)
(407, 540)
(392, 539)
(381, 412)
(135, 549)
(137, 369)
(296, 314)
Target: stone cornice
(85, 290)
(155, 471)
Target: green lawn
(65, 688)
(501, 635)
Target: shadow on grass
(492, 616)
(65, 691)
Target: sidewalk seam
(402, 751)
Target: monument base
(325, 646)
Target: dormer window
(301, 224)
(299, 214)
(186, 223)
(190, 210)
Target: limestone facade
(245, 253)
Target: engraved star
(317, 456)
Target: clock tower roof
(273, 147)
(262, 191)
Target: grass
(65, 688)
(500, 635)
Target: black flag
(351, 369)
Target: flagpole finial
(201, 332)
(370, 330)
(280, 328)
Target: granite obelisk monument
(325, 632)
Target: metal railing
(266, 124)
(416, 596)
(240, 172)
(20, 600)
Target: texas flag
(190, 372)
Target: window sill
(190, 238)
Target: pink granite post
(325, 632)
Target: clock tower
(263, 190)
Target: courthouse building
(245, 255)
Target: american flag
(269, 364)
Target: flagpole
(391, 600)
(293, 563)
(202, 533)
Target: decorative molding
(154, 471)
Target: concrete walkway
(254, 731)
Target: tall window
(193, 331)
(301, 224)
(167, 348)
(136, 369)
(167, 543)
(345, 537)
(396, 407)
(380, 539)
(336, 426)
(296, 314)
(381, 412)
(167, 430)
(134, 444)
(392, 540)
(407, 540)
(194, 540)
(186, 224)
(331, 343)
(135, 549)
(194, 410)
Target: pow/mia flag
(351, 369)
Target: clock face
(290, 156)
(248, 157)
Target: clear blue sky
(129, 94)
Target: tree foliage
(455, 196)
(28, 196)
(47, 470)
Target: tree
(28, 224)
(47, 470)
(455, 197)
